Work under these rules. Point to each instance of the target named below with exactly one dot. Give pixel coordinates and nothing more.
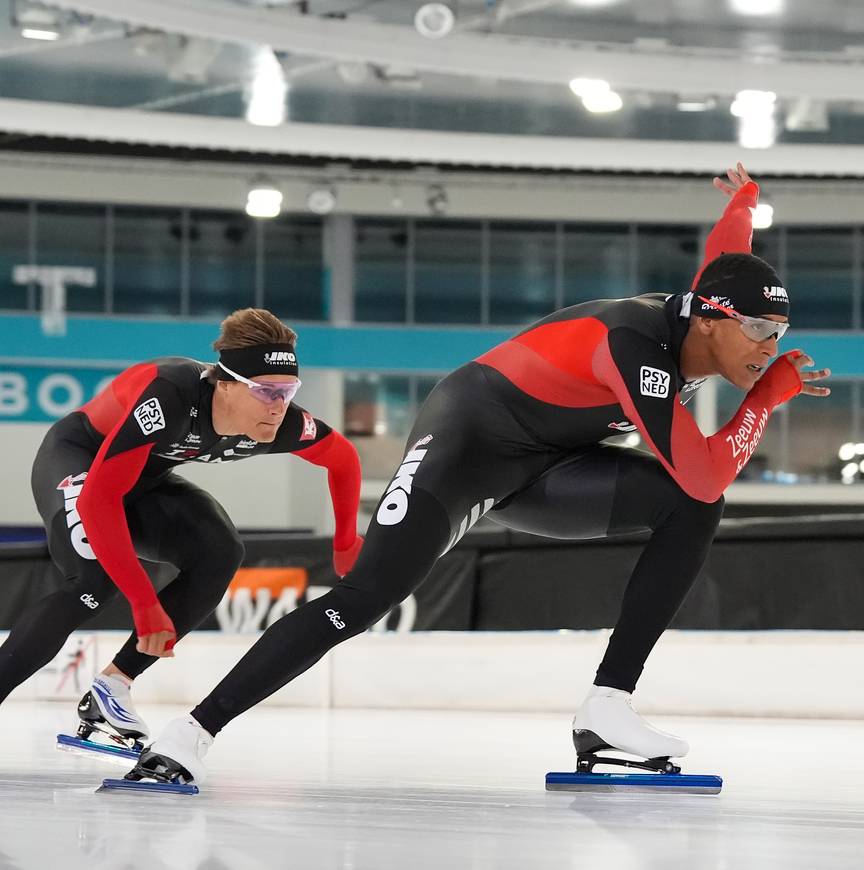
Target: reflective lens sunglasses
(755, 328)
(266, 393)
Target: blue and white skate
(608, 712)
(109, 727)
(173, 763)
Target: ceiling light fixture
(35, 21)
(267, 91)
(757, 7)
(434, 20)
(694, 104)
(596, 95)
(588, 87)
(755, 111)
(35, 33)
(321, 201)
(603, 103)
(264, 199)
(763, 216)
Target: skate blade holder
(142, 785)
(657, 783)
(113, 752)
(664, 777)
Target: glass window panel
(73, 235)
(147, 268)
(817, 429)
(768, 458)
(667, 258)
(378, 417)
(448, 271)
(380, 270)
(521, 272)
(596, 262)
(14, 224)
(221, 262)
(819, 267)
(294, 268)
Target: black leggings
(463, 459)
(170, 521)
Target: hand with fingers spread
(801, 361)
(785, 378)
(738, 177)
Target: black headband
(261, 359)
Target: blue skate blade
(67, 743)
(141, 785)
(645, 782)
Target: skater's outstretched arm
(733, 233)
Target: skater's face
(258, 406)
(737, 357)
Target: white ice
(411, 790)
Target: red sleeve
(643, 377)
(100, 507)
(115, 471)
(337, 454)
(733, 233)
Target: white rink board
(779, 673)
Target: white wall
(269, 491)
(710, 673)
(18, 445)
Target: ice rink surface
(410, 790)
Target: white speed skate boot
(176, 756)
(108, 709)
(606, 720)
(109, 726)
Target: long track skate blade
(91, 749)
(630, 782)
(143, 785)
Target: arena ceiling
(358, 82)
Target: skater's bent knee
(220, 554)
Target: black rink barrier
(789, 572)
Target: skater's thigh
(463, 475)
(58, 478)
(180, 523)
(592, 493)
(447, 480)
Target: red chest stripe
(552, 363)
